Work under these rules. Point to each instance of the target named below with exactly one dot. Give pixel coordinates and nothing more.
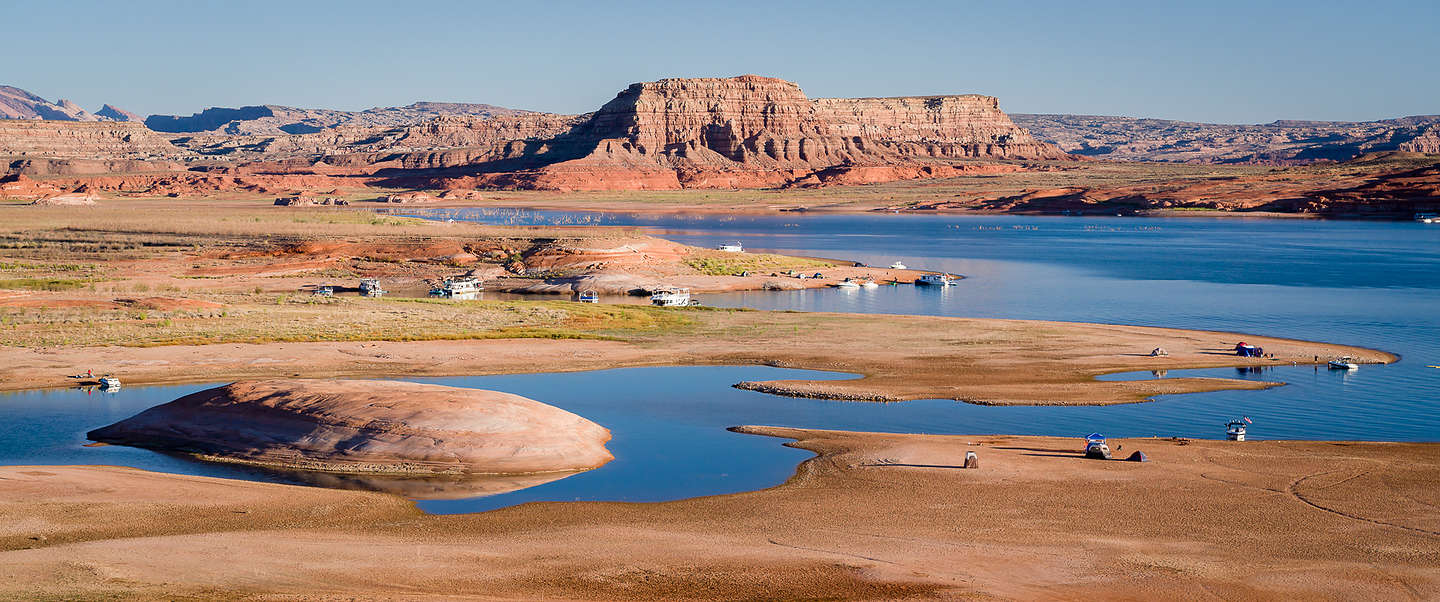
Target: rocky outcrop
(111, 112)
(280, 120)
(967, 125)
(407, 198)
(74, 199)
(307, 200)
(368, 427)
(1280, 142)
(88, 141)
(753, 131)
(19, 104)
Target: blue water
(1375, 284)
(1367, 283)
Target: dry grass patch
(720, 263)
(304, 318)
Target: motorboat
(869, 284)
(898, 266)
(670, 297)
(847, 283)
(1235, 429)
(1428, 218)
(1343, 363)
(589, 297)
(462, 287)
(936, 280)
(734, 247)
(370, 287)
(108, 382)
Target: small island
(367, 426)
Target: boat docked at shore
(898, 266)
(733, 247)
(935, 280)
(848, 283)
(671, 297)
(370, 287)
(1343, 363)
(1235, 429)
(461, 287)
(109, 383)
(869, 284)
(588, 297)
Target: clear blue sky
(1219, 61)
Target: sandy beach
(874, 516)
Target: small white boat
(847, 283)
(1235, 429)
(1344, 363)
(733, 247)
(869, 284)
(898, 266)
(670, 297)
(589, 297)
(463, 287)
(1428, 218)
(936, 280)
(109, 382)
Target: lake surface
(1375, 284)
(1367, 283)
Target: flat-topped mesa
(759, 121)
(966, 125)
(753, 131)
(364, 426)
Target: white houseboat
(370, 287)
(588, 297)
(109, 383)
(733, 247)
(936, 280)
(671, 297)
(463, 287)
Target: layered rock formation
(368, 427)
(752, 131)
(1280, 142)
(968, 125)
(747, 131)
(91, 141)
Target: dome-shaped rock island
(367, 426)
